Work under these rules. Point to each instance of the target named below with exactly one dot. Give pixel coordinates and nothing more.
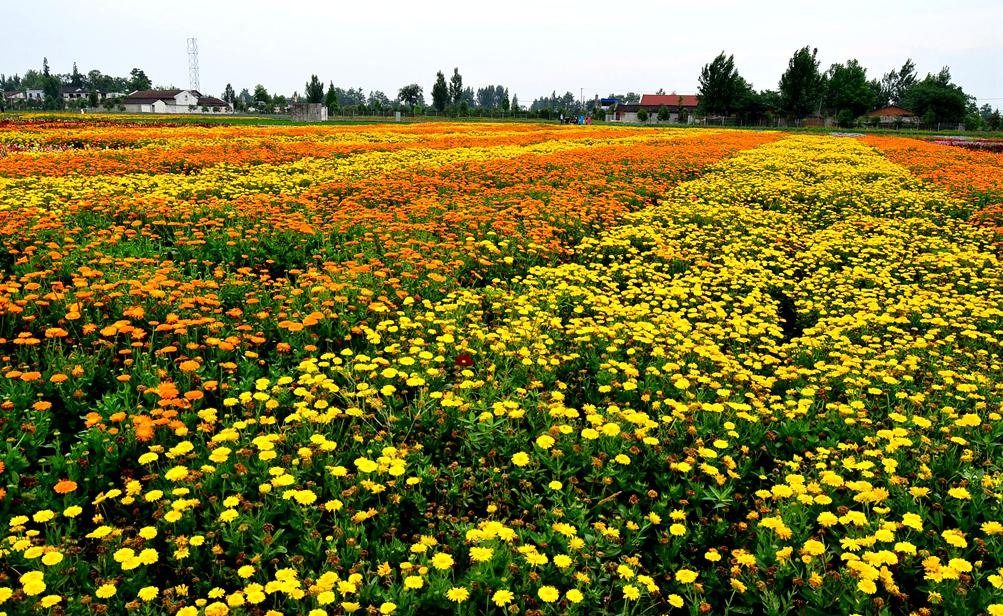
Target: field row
(708, 372)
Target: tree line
(842, 91)
(95, 83)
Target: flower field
(496, 368)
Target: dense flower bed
(153, 315)
(973, 175)
(629, 372)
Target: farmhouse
(893, 115)
(174, 101)
(681, 107)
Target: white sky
(531, 47)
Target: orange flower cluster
(972, 175)
(150, 289)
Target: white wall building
(174, 101)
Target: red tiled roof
(669, 100)
(892, 110)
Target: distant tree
(440, 92)
(937, 95)
(505, 103)
(456, 87)
(378, 101)
(261, 97)
(846, 118)
(52, 88)
(93, 98)
(847, 88)
(411, 94)
(139, 80)
(515, 102)
(314, 91)
(76, 79)
(895, 84)
(721, 86)
(331, 98)
(468, 97)
(627, 99)
(642, 114)
(985, 111)
(279, 101)
(994, 121)
(801, 84)
(229, 95)
(663, 114)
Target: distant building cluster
(174, 101)
(69, 94)
(139, 101)
(681, 109)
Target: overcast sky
(531, 47)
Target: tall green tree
(895, 84)
(331, 98)
(846, 87)
(411, 94)
(52, 88)
(139, 80)
(937, 98)
(801, 84)
(440, 92)
(721, 87)
(261, 97)
(314, 92)
(229, 95)
(456, 87)
(76, 79)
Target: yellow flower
(677, 530)
(148, 593)
(686, 576)
(520, 459)
(959, 493)
(50, 600)
(631, 592)
(481, 554)
(442, 561)
(105, 591)
(574, 595)
(457, 594)
(414, 582)
(675, 601)
(52, 558)
(387, 607)
(502, 598)
(867, 586)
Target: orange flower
(189, 366)
(65, 486)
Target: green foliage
(721, 87)
(456, 87)
(663, 114)
(139, 80)
(440, 92)
(411, 95)
(847, 88)
(938, 96)
(801, 84)
(314, 91)
(846, 118)
(642, 114)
